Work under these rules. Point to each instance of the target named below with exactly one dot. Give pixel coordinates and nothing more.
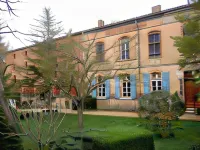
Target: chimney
(100, 23)
(156, 9)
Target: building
(145, 45)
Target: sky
(78, 15)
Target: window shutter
(133, 86)
(165, 81)
(94, 92)
(117, 88)
(107, 89)
(146, 79)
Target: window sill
(126, 60)
(101, 98)
(155, 57)
(125, 98)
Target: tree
(188, 45)
(46, 64)
(89, 73)
(7, 6)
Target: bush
(198, 111)
(159, 108)
(194, 147)
(90, 103)
(142, 142)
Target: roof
(124, 22)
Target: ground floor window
(101, 90)
(126, 87)
(156, 81)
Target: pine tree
(189, 45)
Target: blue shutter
(94, 92)
(117, 88)
(146, 79)
(133, 86)
(107, 83)
(165, 81)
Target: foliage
(198, 111)
(90, 103)
(141, 142)
(188, 44)
(194, 147)
(45, 65)
(159, 108)
(9, 140)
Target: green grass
(122, 128)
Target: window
(26, 53)
(156, 82)
(124, 44)
(126, 87)
(154, 44)
(101, 92)
(14, 56)
(100, 52)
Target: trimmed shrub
(140, 142)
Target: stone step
(190, 110)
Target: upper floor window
(14, 56)
(156, 81)
(100, 52)
(124, 46)
(101, 92)
(154, 44)
(26, 53)
(126, 87)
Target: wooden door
(191, 89)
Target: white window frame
(125, 49)
(157, 79)
(126, 81)
(100, 90)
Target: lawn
(121, 127)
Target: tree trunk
(80, 116)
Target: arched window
(154, 44)
(156, 81)
(100, 52)
(124, 48)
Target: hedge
(140, 142)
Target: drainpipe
(139, 67)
